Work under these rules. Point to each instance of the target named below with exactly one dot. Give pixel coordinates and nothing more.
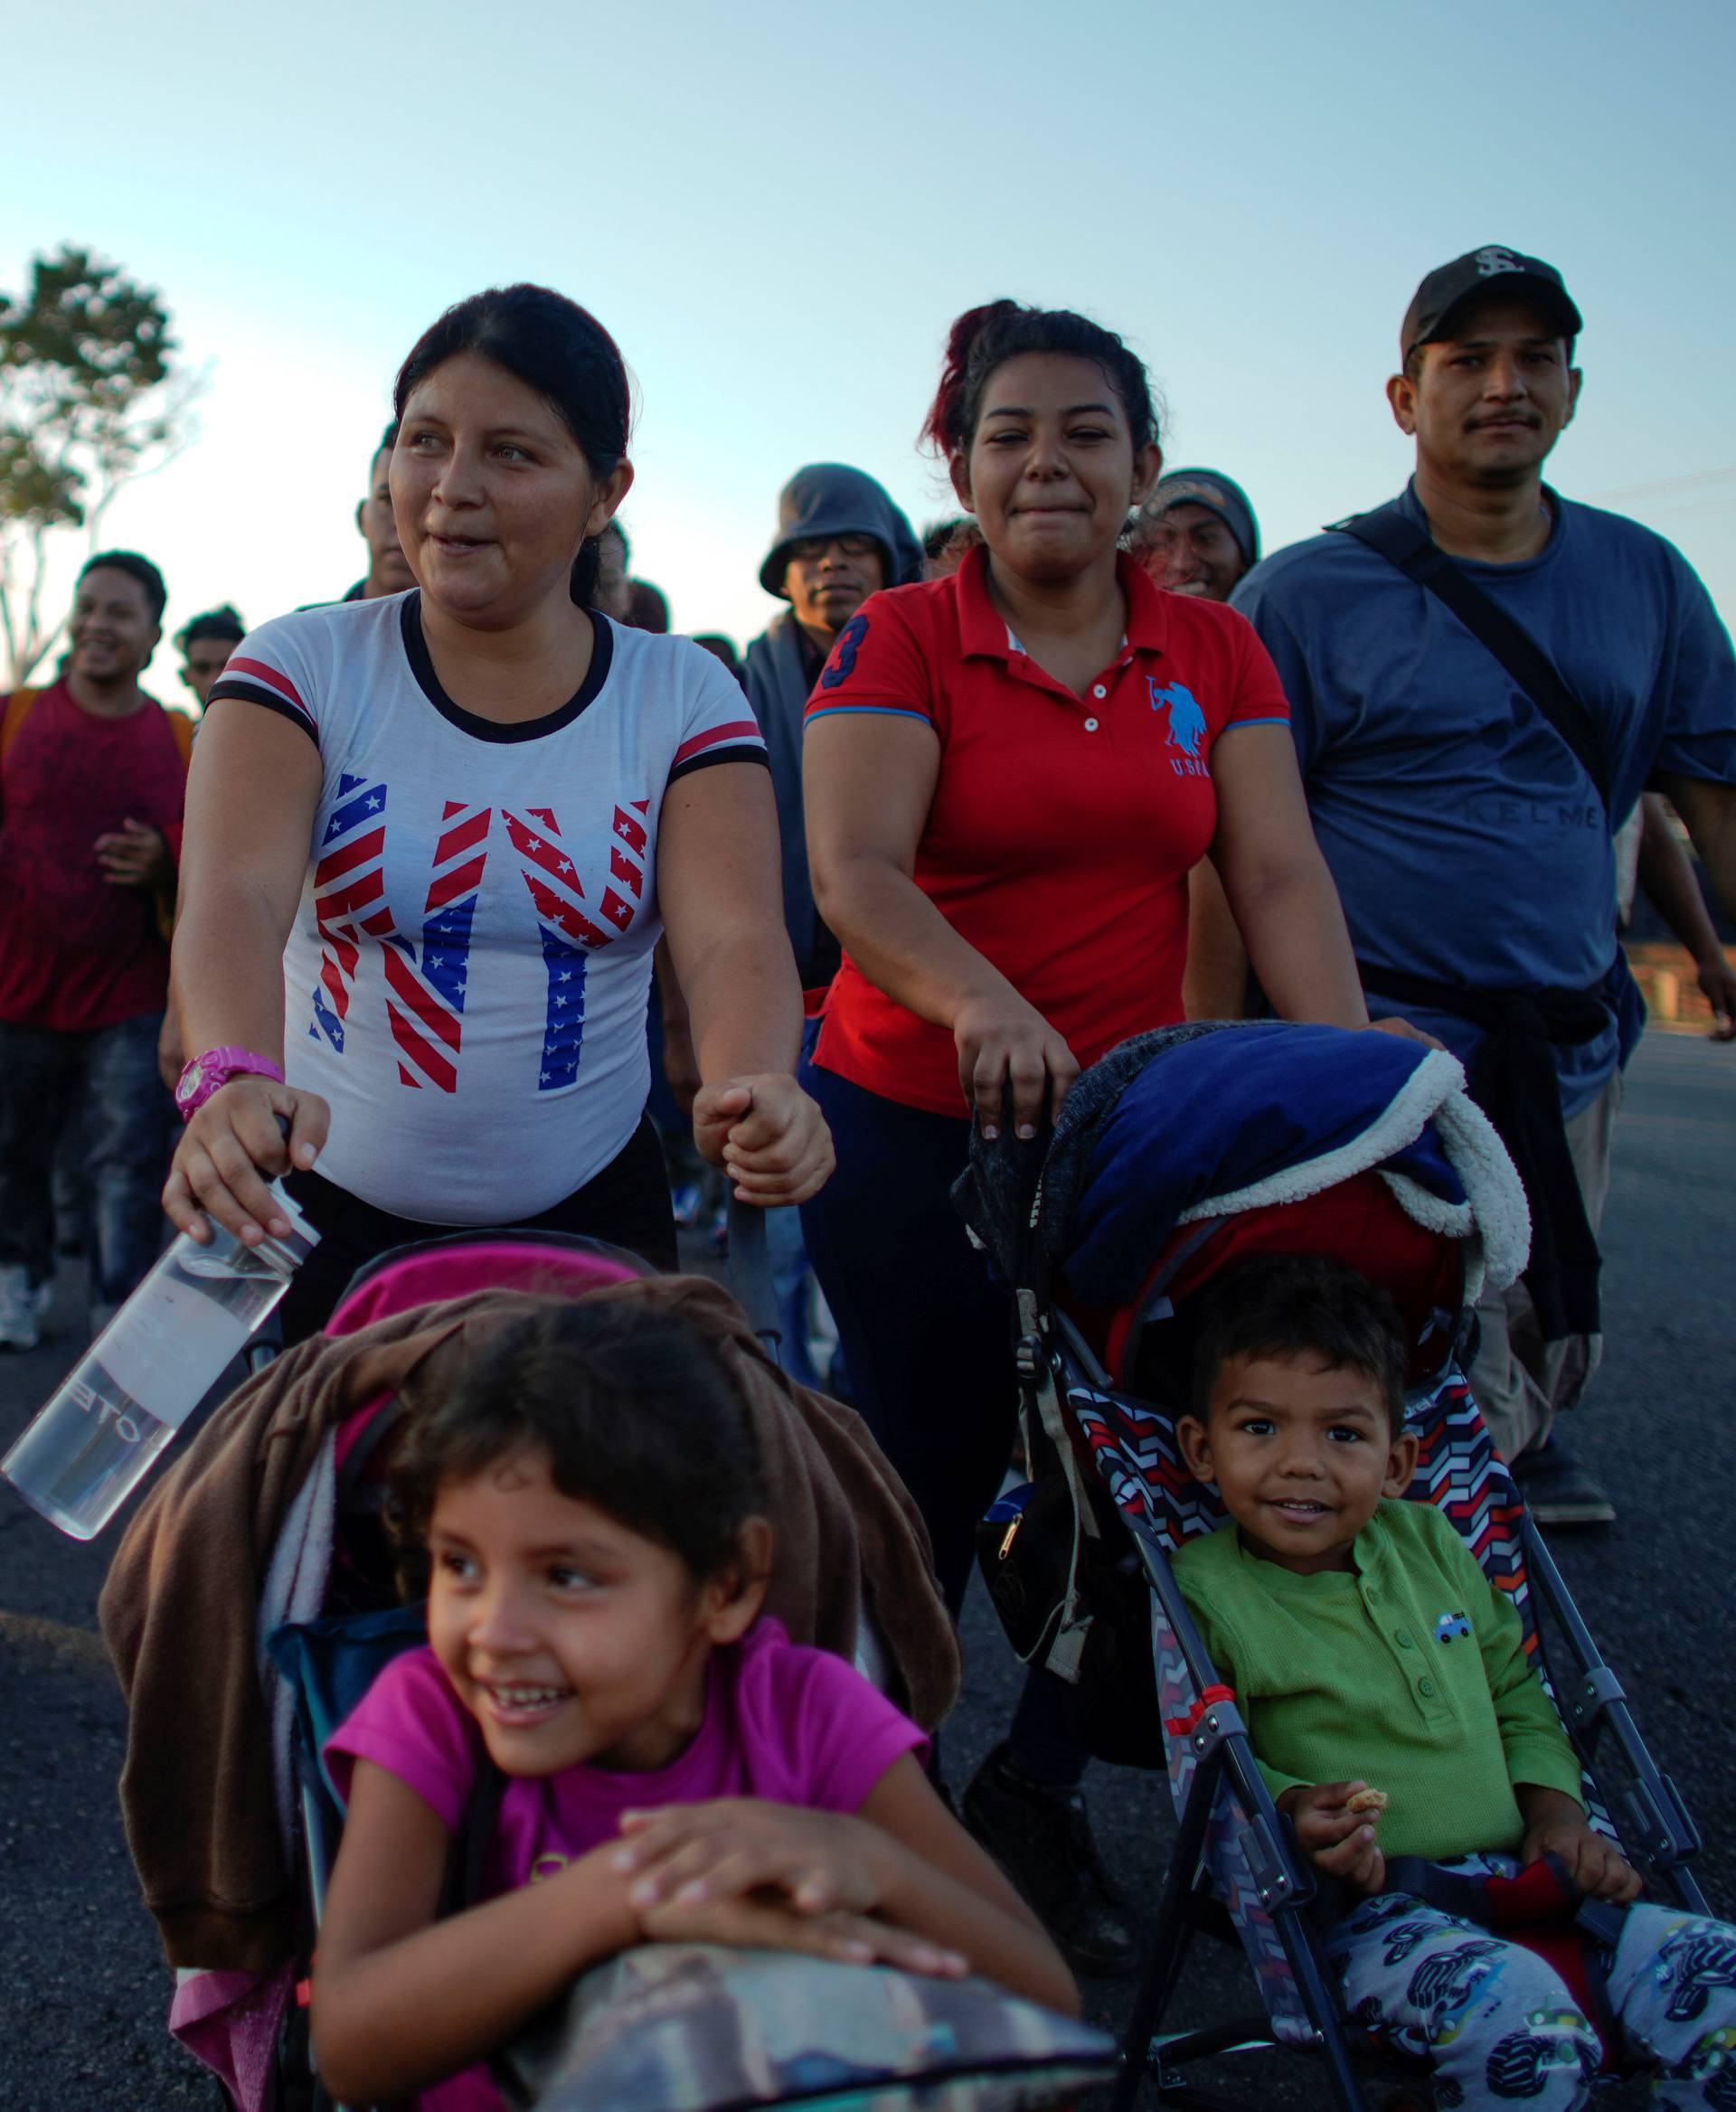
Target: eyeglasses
(811, 548)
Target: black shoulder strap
(467, 1862)
(1402, 544)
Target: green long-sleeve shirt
(1408, 1672)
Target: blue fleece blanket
(1214, 1114)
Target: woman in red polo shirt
(1008, 775)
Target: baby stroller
(313, 1593)
(1184, 1152)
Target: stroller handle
(750, 1277)
(750, 1272)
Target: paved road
(84, 1992)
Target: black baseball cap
(1492, 270)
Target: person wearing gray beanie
(1196, 534)
(839, 539)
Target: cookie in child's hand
(1371, 1801)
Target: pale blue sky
(779, 209)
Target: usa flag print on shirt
(467, 974)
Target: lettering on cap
(1491, 260)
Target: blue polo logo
(1186, 729)
(1450, 1626)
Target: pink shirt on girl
(785, 1723)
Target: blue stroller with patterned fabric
(1182, 1153)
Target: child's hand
(767, 1922)
(1555, 1825)
(1338, 1843)
(816, 1862)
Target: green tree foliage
(90, 396)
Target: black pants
(928, 1343)
(627, 1203)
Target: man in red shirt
(92, 779)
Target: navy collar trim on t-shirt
(602, 653)
(1411, 506)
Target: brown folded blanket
(179, 1609)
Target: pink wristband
(204, 1074)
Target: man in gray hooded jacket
(839, 539)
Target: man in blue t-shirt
(1470, 847)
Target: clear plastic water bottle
(96, 1439)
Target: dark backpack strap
(1402, 542)
(467, 1862)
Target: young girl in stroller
(1401, 1725)
(668, 1766)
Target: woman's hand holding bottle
(232, 1146)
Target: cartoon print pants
(1500, 2025)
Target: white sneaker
(21, 1309)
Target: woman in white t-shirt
(433, 838)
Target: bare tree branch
(8, 630)
(178, 418)
(37, 643)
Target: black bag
(1025, 1548)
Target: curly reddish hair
(985, 338)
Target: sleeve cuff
(1547, 1763)
(1278, 1783)
(819, 711)
(246, 693)
(875, 1758)
(445, 1797)
(742, 753)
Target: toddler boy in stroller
(1361, 1638)
(1183, 1153)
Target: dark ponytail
(985, 338)
(559, 349)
